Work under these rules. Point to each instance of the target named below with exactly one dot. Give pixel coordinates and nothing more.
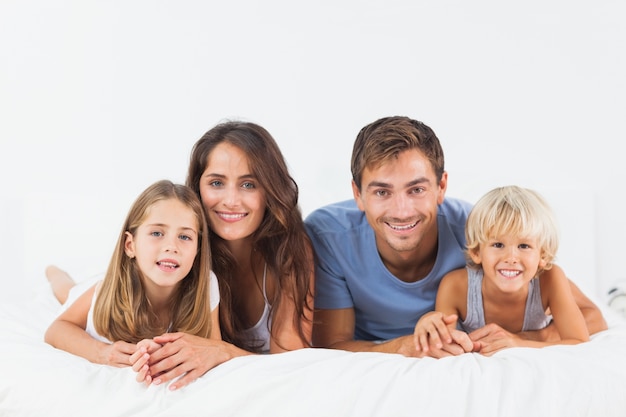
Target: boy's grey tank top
(535, 317)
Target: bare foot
(60, 281)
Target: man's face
(400, 199)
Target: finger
(137, 355)
(168, 338)
(438, 353)
(141, 362)
(435, 339)
(143, 374)
(165, 365)
(478, 334)
(463, 340)
(443, 331)
(127, 348)
(169, 375)
(163, 352)
(450, 318)
(423, 342)
(185, 380)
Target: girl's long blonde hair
(122, 311)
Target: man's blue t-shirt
(350, 274)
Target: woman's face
(232, 197)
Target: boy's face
(508, 261)
(400, 199)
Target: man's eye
(381, 193)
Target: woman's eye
(215, 183)
(248, 185)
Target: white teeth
(232, 216)
(168, 264)
(509, 273)
(407, 227)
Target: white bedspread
(583, 380)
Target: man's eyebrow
(379, 184)
(417, 181)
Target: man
(380, 258)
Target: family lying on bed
(399, 269)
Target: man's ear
(356, 192)
(443, 186)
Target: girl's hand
(116, 354)
(140, 360)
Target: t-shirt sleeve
(331, 288)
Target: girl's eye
(185, 237)
(156, 234)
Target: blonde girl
(159, 279)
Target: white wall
(100, 98)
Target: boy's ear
(474, 255)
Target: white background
(100, 99)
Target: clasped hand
(175, 355)
(436, 335)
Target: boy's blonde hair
(516, 211)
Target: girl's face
(509, 262)
(233, 199)
(165, 245)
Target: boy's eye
(498, 245)
(524, 246)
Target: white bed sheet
(584, 380)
